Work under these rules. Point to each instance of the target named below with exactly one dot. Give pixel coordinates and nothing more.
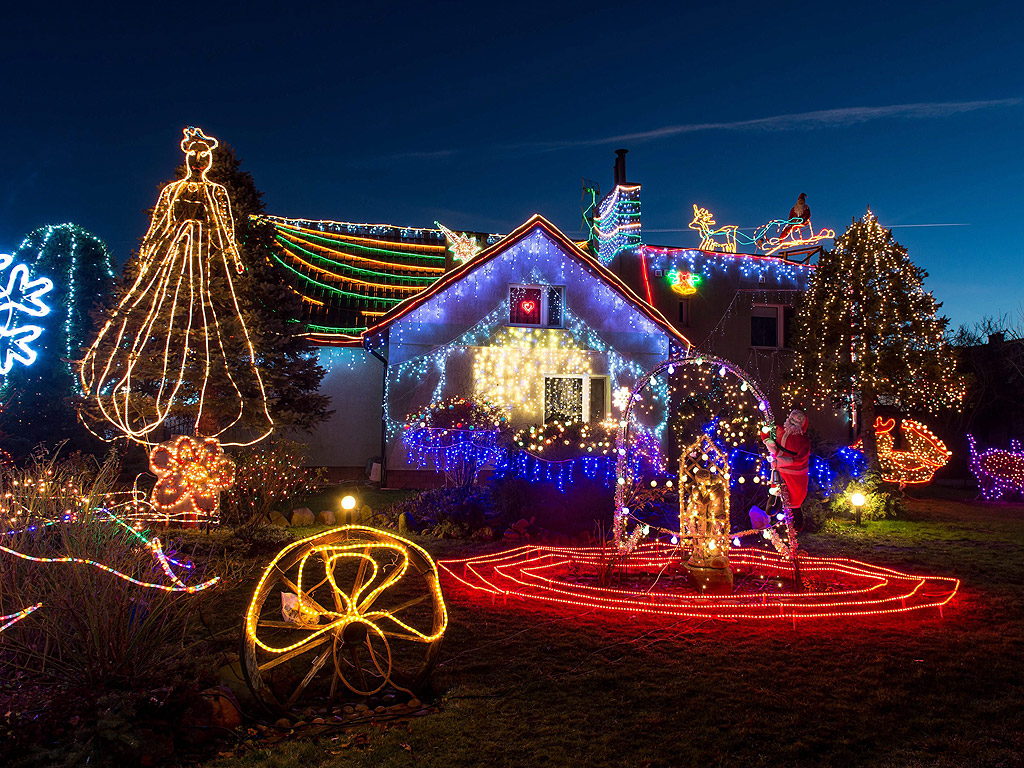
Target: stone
(414, 704)
(231, 676)
(365, 514)
(361, 708)
(303, 516)
(276, 518)
(484, 534)
(381, 710)
(283, 722)
(318, 721)
(403, 523)
(327, 517)
(348, 710)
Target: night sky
(480, 114)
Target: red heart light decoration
(528, 306)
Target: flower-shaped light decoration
(20, 296)
(192, 473)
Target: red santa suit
(792, 458)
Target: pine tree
(866, 328)
(286, 361)
(38, 399)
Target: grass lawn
(531, 686)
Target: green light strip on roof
(288, 244)
(330, 329)
(404, 254)
(331, 288)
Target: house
(405, 317)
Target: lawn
(519, 685)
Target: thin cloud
(822, 118)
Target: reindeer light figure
(703, 221)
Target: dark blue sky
(481, 114)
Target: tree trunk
(867, 429)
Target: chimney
(620, 167)
(997, 338)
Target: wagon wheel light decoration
(20, 295)
(191, 473)
(354, 607)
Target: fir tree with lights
(867, 329)
(38, 400)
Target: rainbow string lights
(997, 471)
(170, 315)
(11, 618)
(838, 588)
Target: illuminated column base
(714, 578)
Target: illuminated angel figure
(177, 345)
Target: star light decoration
(20, 294)
(462, 246)
(191, 473)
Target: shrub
(268, 478)
(94, 629)
(881, 499)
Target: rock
(327, 517)
(415, 704)
(388, 698)
(318, 721)
(362, 708)
(348, 710)
(231, 676)
(365, 514)
(380, 710)
(303, 516)
(283, 722)
(276, 518)
(211, 710)
(403, 523)
(484, 534)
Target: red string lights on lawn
(837, 587)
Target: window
(769, 326)
(684, 313)
(538, 305)
(575, 398)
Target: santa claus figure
(799, 216)
(791, 453)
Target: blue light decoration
(617, 224)
(699, 265)
(20, 297)
(563, 473)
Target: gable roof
(568, 247)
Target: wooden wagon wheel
(352, 608)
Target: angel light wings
(177, 345)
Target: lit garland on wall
(168, 314)
(997, 471)
(20, 296)
(455, 436)
(190, 476)
(617, 224)
(704, 265)
(849, 588)
(918, 462)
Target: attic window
(540, 306)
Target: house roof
(573, 251)
(350, 275)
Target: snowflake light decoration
(620, 398)
(20, 294)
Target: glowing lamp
(857, 499)
(348, 503)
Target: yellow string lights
(207, 367)
(191, 474)
(511, 371)
(922, 456)
(721, 239)
(354, 589)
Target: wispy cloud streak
(822, 118)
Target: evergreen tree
(286, 361)
(867, 329)
(38, 399)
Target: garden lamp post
(858, 500)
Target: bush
(449, 513)
(268, 478)
(94, 629)
(881, 499)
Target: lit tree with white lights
(867, 329)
